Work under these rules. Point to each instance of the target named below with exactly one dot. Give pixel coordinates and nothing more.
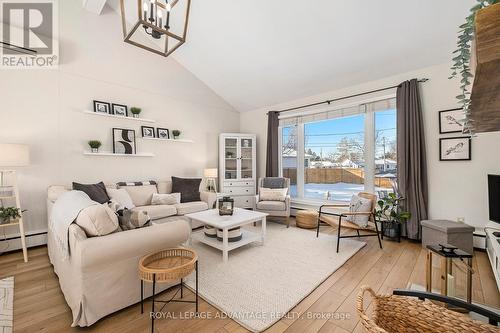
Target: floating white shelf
(143, 120)
(119, 155)
(170, 140)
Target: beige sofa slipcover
(100, 277)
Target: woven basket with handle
(408, 314)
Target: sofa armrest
(118, 246)
(209, 197)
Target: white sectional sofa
(100, 277)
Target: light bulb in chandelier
(156, 11)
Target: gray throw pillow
(189, 188)
(96, 192)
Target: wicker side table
(167, 266)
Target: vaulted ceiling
(262, 52)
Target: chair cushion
(191, 207)
(276, 194)
(157, 212)
(274, 182)
(96, 192)
(141, 195)
(357, 205)
(271, 205)
(189, 188)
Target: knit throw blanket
(64, 212)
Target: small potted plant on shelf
(135, 111)
(94, 145)
(389, 212)
(9, 214)
(176, 134)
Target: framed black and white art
(102, 107)
(451, 121)
(163, 133)
(455, 149)
(148, 132)
(119, 110)
(124, 141)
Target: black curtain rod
(345, 97)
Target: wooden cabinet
(237, 167)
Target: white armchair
(274, 208)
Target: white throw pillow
(97, 220)
(166, 199)
(272, 194)
(122, 197)
(359, 205)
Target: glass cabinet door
(247, 146)
(231, 158)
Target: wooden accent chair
(335, 220)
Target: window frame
(369, 148)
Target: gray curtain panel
(272, 145)
(412, 161)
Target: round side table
(167, 266)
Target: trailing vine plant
(461, 61)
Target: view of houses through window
(335, 156)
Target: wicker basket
(167, 265)
(306, 219)
(408, 314)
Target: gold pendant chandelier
(159, 26)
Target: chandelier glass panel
(159, 26)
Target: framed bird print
(455, 149)
(451, 121)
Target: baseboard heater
(13, 243)
(27, 236)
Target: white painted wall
(456, 189)
(43, 108)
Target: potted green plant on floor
(9, 214)
(94, 145)
(135, 111)
(176, 134)
(390, 214)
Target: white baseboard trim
(12, 242)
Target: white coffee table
(239, 218)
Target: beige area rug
(6, 305)
(260, 284)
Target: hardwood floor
(39, 305)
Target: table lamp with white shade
(14, 155)
(210, 175)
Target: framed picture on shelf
(148, 132)
(102, 107)
(119, 110)
(163, 133)
(455, 149)
(451, 121)
(124, 141)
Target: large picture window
(331, 155)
